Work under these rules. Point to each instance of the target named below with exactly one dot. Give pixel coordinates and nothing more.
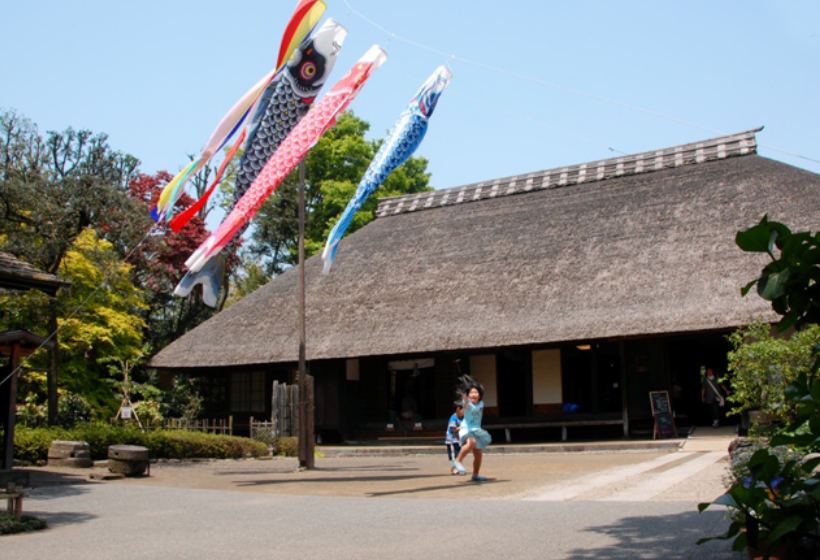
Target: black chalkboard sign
(660, 402)
(665, 426)
(662, 412)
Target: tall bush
(761, 366)
(72, 411)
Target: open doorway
(688, 359)
(411, 391)
(514, 383)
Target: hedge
(9, 526)
(31, 444)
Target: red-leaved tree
(159, 264)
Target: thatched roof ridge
(636, 255)
(722, 147)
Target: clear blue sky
(157, 76)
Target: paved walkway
(138, 522)
(620, 505)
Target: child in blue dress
(473, 437)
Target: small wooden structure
(15, 345)
(19, 275)
(14, 495)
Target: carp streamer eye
(308, 70)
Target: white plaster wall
(483, 369)
(546, 376)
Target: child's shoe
(459, 467)
(479, 479)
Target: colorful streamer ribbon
(319, 119)
(303, 20)
(285, 102)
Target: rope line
(560, 87)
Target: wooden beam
(11, 413)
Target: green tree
(52, 189)
(762, 366)
(333, 169)
(99, 318)
(245, 281)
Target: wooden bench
(563, 424)
(14, 495)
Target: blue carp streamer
(399, 145)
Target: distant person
(710, 393)
(451, 440)
(471, 435)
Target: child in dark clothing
(452, 441)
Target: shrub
(31, 444)
(9, 526)
(287, 447)
(31, 414)
(761, 366)
(72, 411)
(738, 468)
(149, 412)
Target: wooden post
(624, 391)
(309, 427)
(8, 436)
(53, 360)
(305, 460)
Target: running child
(472, 436)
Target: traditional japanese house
(587, 285)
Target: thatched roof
(633, 246)
(20, 275)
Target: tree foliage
(107, 322)
(66, 210)
(762, 366)
(159, 265)
(333, 169)
(52, 189)
(98, 315)
(791, 281)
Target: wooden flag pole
(306, 454)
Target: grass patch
(27, 523)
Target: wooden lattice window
(248, 392)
